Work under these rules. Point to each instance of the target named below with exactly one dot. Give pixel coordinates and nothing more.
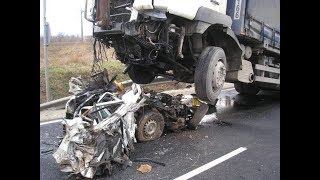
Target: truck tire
(210, 74)
(150, 125)
(246, 88)
(139, 75)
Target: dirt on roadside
(167, 86)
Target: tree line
(61, 37)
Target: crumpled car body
(92, 144)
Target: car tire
(150, 125)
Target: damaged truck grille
(118, 11)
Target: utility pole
(45, 46)
(81, 25)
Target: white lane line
(210, 164)
(50, 122)
(229, 89)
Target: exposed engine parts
(176, 110)
(151, 40)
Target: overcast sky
(64, 16)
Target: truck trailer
(205, 42)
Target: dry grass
(70, 53)
(69, 59)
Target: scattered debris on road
(144, 168)
(103, 122)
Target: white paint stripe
(229, 89)
(50, 122)
(210, 164)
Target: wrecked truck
(206, 42)
(103, 122)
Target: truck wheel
(150, 126)
(139, 75)
(246, 88)
(210, 74)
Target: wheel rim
(150, 128)
(219, 75)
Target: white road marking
(210, 164)
(50, 122)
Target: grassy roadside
(60, 76)
(72, 59)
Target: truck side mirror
(99, 12)
(89, 8)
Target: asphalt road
(237, 121)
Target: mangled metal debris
(99, 135)
(102, 123)
(178, 111)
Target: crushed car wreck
(94, 139)
(102, 123)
